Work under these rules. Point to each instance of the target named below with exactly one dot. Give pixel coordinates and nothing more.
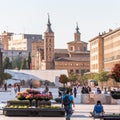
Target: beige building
(105, 51)
(22, 41)
(14, 45)
(76, 58)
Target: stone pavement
(81, 112)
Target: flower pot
(36, 102)
(30, 102)
(115, 94)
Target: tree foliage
(102, 76)
(73, 77)
(18, 62)
(63, 79)
(115, 73)
(4, 76)
(6, 63)
(29, 60)
(24, 66)
(83, 79)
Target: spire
(49, 30)
(77, 28)
(77, 34)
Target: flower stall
(32, 103)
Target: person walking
(5, 86)
(18, 87)
(75, 92)
(67, 102)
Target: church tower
(77, 34)
(49, 47)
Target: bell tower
(77, 34)
(49, 47)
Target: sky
(30, 16)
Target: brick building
(76, 58)
(5, 37)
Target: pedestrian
(46, 89)
(98, 91)
(15, 88)
(5, 86)
(83, 91)
(31, 86)
(67, 102)
(105, 91)
(18, 87)
(75, 92)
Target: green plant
(115, 94)
(58, 100)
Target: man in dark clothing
(5, 86)
(75, 92)
(68, 107)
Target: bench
(96, 116)
(106, 117)
(100, 117)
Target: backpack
(66, 101)
(98, 108)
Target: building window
(77, 71)
(82, 71)
(71, 48)
(76, 64)
(71, 71)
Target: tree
(101, 77)
(23, 66)
(29, 60)
(6, 63)
(72, 77)
(83, 79)
(4, 76)
(115, 73)
(63, 79)
(18, 62)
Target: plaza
(81, 111)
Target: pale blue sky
(30, 16)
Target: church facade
(74, 59)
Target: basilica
(75, 58)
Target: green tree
(24, 66)
(29, 60)
(72, 77)
(4, 76)
(83, 79)
(102, 77)
(18, 62)
(6, 63)
(14, 66)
